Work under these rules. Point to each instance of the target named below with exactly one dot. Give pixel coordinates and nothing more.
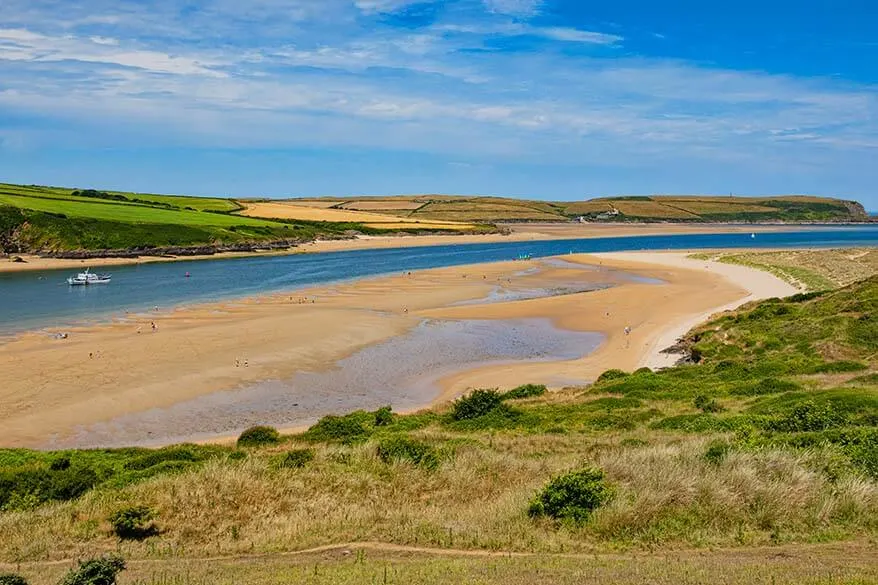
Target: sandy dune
(51, 386)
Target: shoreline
(196, 350)
(519, 233)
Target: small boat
(87, 277)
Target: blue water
(42, 299)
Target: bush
(60, 464)
(100, 571)
(259, 436)
(12, 579)
(347, 429)
(572, 497)
(611, 375)
(477, 404)
(134, 523)
(525, 391)
(767, 386)
(809, 416)
(187, 453)
(384, 416)
(296, 459)
(36, 486)
(716, 452)
(402, 448)
(706, 404)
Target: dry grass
(811, 269)
(382, 205)
(317, 203)
(714, 207)
(651, 209)
(668, 494)
(851, 564)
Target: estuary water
(34, 300)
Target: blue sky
(552, 99)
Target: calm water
(402, 371)
(43, 299)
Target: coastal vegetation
(56, 221)
(810, 270)
(768, 438)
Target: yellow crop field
(651, 209)
(583, 207)
(284, 210)
(318, 203)
(382, 205)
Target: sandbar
(52, 387)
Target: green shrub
(100, 571)
(384, 416)
(766, 386)
(134, 523)
(840, 367)
(809, 416)
(716, 452)
(572, 497)
(347, 429)
(403, 448)
(475, 405)
(12, 579)
(60, 464)
(525, 391)
(611, 375)
(296, 458)
(37, 486)
(187, 453)
(259, 436)
(707, 404)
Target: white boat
(86, 278)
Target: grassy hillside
(770, 438)
(55, 220)
(615, 209)
(810, 270)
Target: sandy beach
(516, 233)
(52, 387)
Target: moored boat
(88, 277)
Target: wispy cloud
(338, 73)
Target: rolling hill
(663, 208)
(64, 222)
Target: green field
(770, 439)
(54, 220)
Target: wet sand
(55, 389)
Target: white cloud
(577, 36)
(275, 73)
(518, 8)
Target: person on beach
(153, 325)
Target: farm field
(614, 209)
(52, 220)
(287, 210)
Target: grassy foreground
(770, 439)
